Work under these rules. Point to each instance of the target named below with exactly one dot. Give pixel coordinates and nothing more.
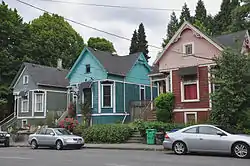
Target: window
(208, 130)
(106, 95)
(190, 88)
(190, 117)
(192, 130)
(188, 49)
(42, 131)
(48, 131)
(39, 102)
(87, 70)
(24, 123)
(25, 79)
(25, 103)
(142, 93)
(87, 96)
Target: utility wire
(82, 24)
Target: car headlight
(7, 135)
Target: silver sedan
(207, 138)
(55, 137)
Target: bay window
(25, 104)
(39, 102)
(107, 95)
(190, 88)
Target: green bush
(78, 130)
(159, 126)
(164, 107)
(109, 133)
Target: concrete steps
(135, 138)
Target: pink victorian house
(183, 68)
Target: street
(89, 157)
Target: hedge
(108, 133)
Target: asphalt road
(90, 157)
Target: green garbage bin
(151, 136)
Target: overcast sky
(119, 21)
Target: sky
(119, 21)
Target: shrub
(68, 123)
(109, 133)
(164, 107)
(159, 126)
(78, 130)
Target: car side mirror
(220, 133)
(52, 134)
(71, 133)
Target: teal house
(110, 83)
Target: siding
(95, 97)
(155, 92)
(119, 97)
(115, 77)
(148, 93)
(56, 101)
(203, 85)
(132, 94)
(78, 75)
(107, 119)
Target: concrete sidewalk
(125, 146)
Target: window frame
(92, 98)
(190, 113)
(36, 94)
(22, 103)
(24, 79)
(197, 130)
(87, 67)
(184, 48)
(209, 127)
(111, 95)
(193, 82)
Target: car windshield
(62, 132)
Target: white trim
(33, 103)
(190, 83)
(107, 114)
(158, 88)
(99, 97)
(18, 79)
(45, 103)
(184, 48)
(209, 86)
(25, 76)
(22, 100)
(167, 84)
(56, 91)
(92, 98)
(23, 121)
(142, 87)
(111, 94)
(124, 96)
(156, 74)
(148, 85)
(190, 113)
(151, 93)
(192, 110)
(18, 105)
(160, 79)
(41, 102)
(31, 117)
(178, 33)
(206, 65)
(114, 93)
(171, 80)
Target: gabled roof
(112, 63)
(220, 42)
(44, 75)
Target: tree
(52, 38)
(185, 15)
(101, 44)
(240, 17)
(230, 101)
(173, 26)
(142, 42)
(224, 18)
(200, 25)
(200, 11)
(134, 43)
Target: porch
(162, 81)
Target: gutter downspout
(124, 101)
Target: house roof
(44, 75)
(232, 40)
(114, 64)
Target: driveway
(94, 157)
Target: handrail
(146, 108)
(6, 119)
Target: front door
(87, 96)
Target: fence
(140, 109)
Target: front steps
(135, 138)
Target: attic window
(87, 69)
(25, 79)
(188, 49)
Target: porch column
(167, 83)
(151, 90)
(15, 106)
(158, 88)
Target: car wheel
(7, 143)
(180, 148)
(34, 144)
(59, 145)
(241, 150)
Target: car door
(50, 137)
(190, 137)
(209, 140)
(41, 137)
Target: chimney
(59, 63)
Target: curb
(108, 148)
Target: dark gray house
(39, 90)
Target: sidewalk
(125, 146)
